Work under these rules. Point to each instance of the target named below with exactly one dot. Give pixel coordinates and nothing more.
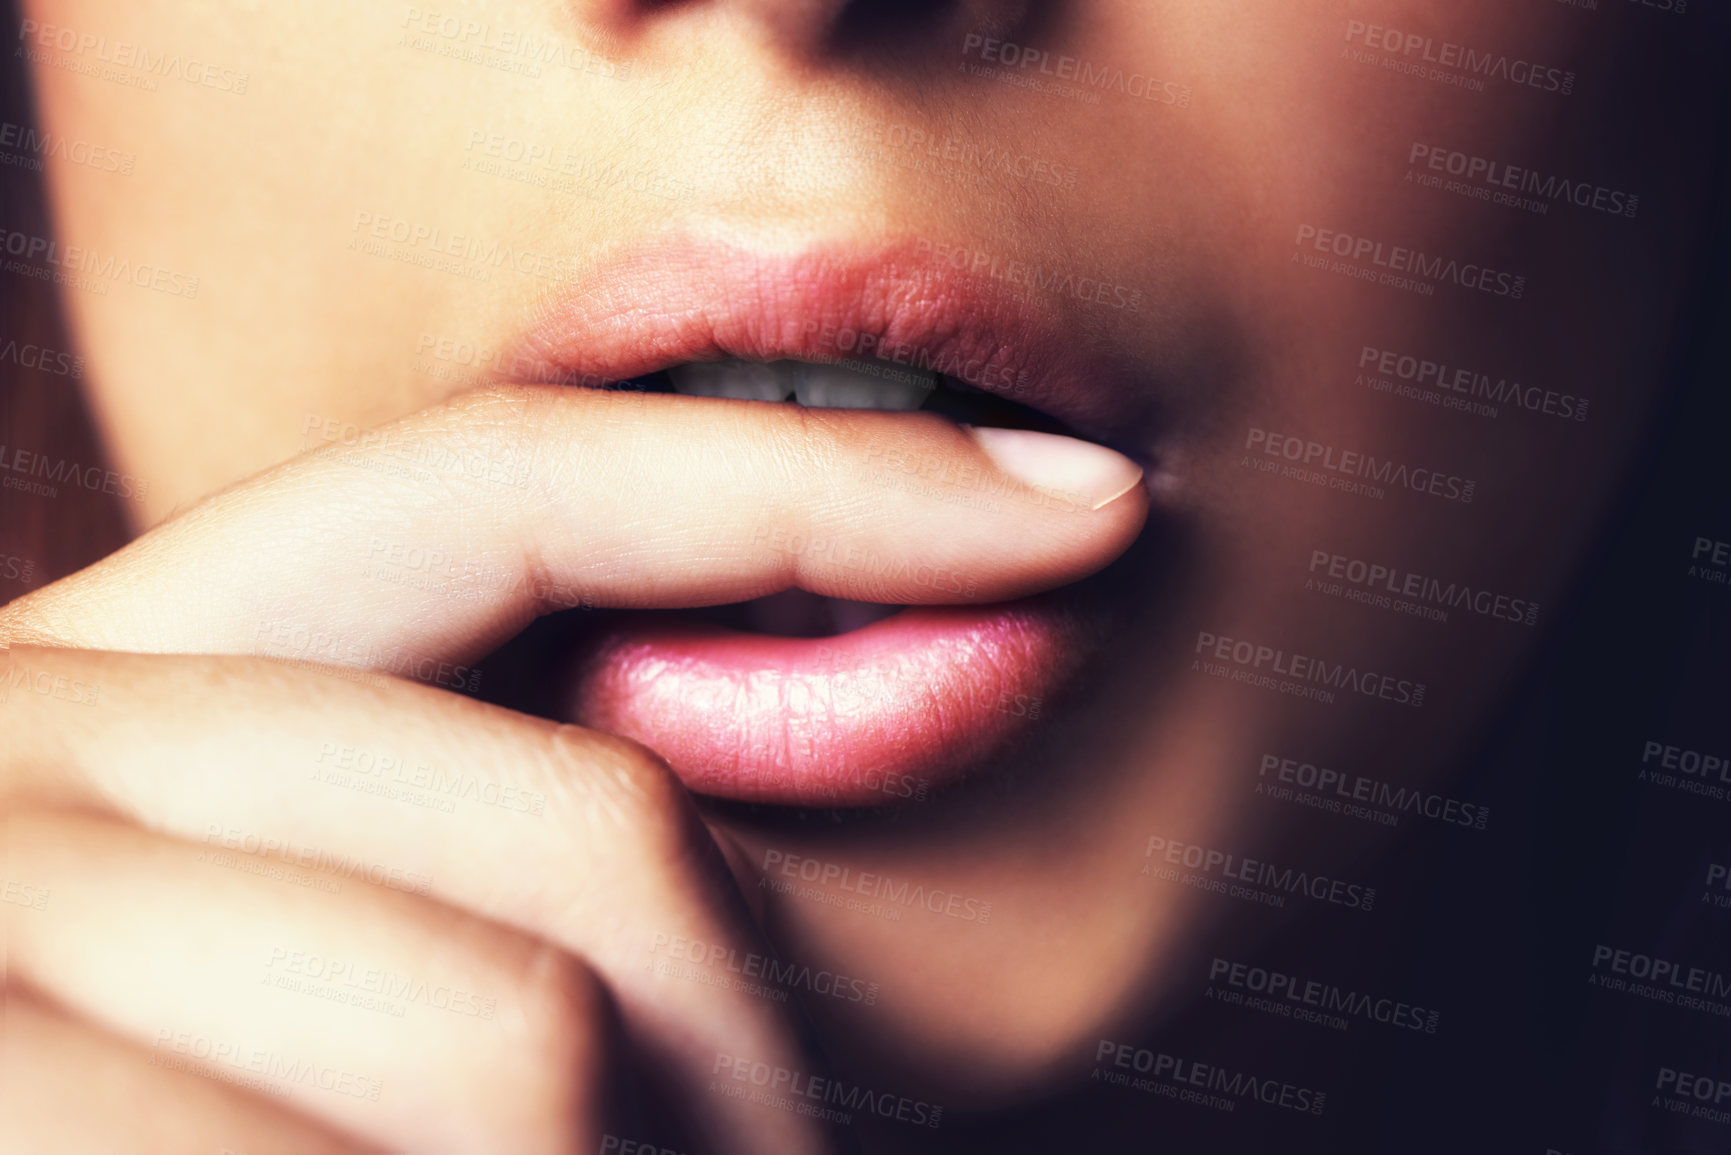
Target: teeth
(863, 384)
(745, 380)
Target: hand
(196, 887)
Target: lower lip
(883, 714)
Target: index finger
(507, 503)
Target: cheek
(347, 268)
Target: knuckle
(567, 1007)
(807, 444)
(806, 453)
(487, 411)
(494, 399)
(623, 784)
(569, 1034)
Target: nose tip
(793, 23)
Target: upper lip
(682, 297)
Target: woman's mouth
(794, 698)
(801, 699)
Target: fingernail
(1089, 475)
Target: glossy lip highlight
(929, 694)
(918, 697)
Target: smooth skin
(764, 124)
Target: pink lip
(878, 715)
(881, 714)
